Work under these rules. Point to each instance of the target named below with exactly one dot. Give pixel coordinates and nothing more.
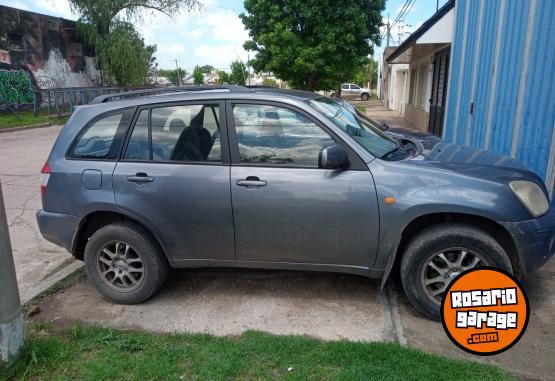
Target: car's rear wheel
(434, 257)
(124, 263)
(364, 97)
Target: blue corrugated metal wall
(503, 61)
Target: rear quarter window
(102, 138)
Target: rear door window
(101, 139)
(186, 133)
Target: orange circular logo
(485, 311)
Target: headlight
(531, 196)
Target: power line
(223, 7)
(403, 8)
(402, 14)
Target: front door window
(270, 135)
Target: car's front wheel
(364, 97)
(435, 256)
(124, 263)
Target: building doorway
(439, 91)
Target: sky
(213, 35)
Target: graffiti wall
(15, 87)
(39, 51)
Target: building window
(16, 41)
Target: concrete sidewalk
(38, 263)
(229, 302)
(321, 305)
(377, 111)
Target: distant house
(211, 79)
(259, 79)
(188, 80)
(481, 74)
(392, 82)
(160, 81)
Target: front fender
(421, 190)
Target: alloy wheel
(443, 267)
(120, 266)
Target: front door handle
(251, 182)
(140, 177)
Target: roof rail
(164, 90)
(260, 87)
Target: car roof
(172, 94)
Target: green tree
(224, 77)
(311, 44)
(124, 41)
(172, 74)
(239, 73)
(198, 76)
(207, 69)
(368, 68)
(106, 23)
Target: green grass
(8, 120)
(104, 354)
(361, 108)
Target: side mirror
(333, 157)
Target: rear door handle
(251, 182)
(140, 177)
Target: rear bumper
(58, 228)
(534, 240)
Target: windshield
(365, 133)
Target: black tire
(152, 261)
(427, 244)
(364, 97)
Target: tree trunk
(311, 83)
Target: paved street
(22, 155)
(228, 302)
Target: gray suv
(143, 181)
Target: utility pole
(178, 73)
(388, 30)
(12, 334)
(370, 78)
(249, 68)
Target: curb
(51, 281)
(22, 128)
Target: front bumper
(534, 240)
(58, 228)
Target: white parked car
(352, 91)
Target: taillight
(44, 177)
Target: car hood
(435, 150)
(427, 140)
(473, 162)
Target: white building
(415, 73)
